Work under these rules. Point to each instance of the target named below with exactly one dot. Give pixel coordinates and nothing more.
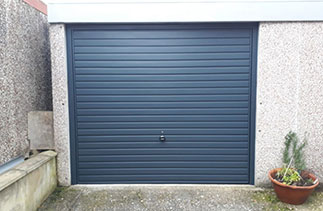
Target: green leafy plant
(293, 172)
(288, 176)
(293, 154)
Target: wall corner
(60, 102)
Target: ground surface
(171, 197)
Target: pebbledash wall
(25, 78)
(289, 94)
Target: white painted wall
(107, 11)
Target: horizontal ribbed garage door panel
(219, 77)
(167, 49)
(112, 125)
(132, 83)
(168, 151)
(188, 91)
(160, 56)
(173, 118)
(164, 178)
(163, 105)
(161, 70)
(174, 84)
(162, 98)
(160, 42)
(152, 144)
(194, 160)
(161, 111)
(177, 138)
(162, 171)
(169, 131)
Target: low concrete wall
(27, 185)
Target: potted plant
(292, 183)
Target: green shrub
(293, 154)
(293, 172)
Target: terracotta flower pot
(291, 194)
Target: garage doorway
(162, 103)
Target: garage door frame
(71, 91)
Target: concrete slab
(171, 197)
(40, 129)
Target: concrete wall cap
(49, 153)
(9, 177)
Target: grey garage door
(162, 103)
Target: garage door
(162, 103)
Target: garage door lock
(162, 138)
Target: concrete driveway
(171, 197)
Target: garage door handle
(162, 138)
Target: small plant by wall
(292, 183)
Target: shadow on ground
(145, 197)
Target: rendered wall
(289, 95)
(25, 79)
(60, 102)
